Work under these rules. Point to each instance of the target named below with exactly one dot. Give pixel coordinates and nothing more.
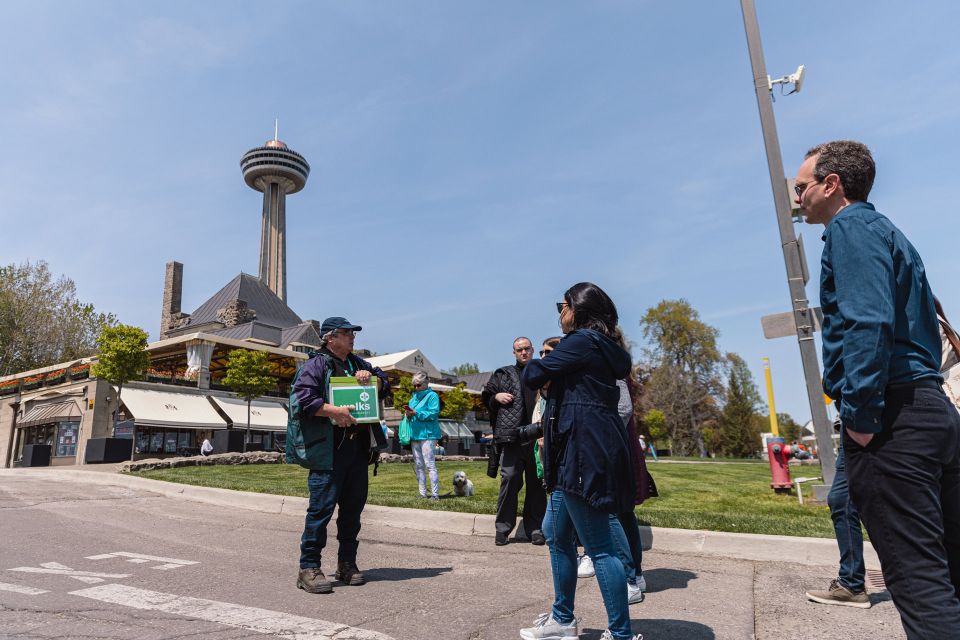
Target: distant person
(206, 448)
(511, 406)
(881, 359)
(423, 414)
(587, 463)
(328, 441)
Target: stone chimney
(172, 293)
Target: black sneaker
(537, 538)
(312, 580)
(348, 574)
(501, 539)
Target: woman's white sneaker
(585, 567)
(634, 594)
(546, 628)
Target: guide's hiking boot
(501, 539)
(839, 594)
(546, 628)
(537, 538)
(348, 574)
(312, 580)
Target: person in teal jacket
(423, 414)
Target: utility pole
(792, 256)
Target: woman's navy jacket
(586, 448)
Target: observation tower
(275, 170)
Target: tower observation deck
(275, 170)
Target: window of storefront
(165, 441)
(61, 437)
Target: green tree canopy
(739, 436)
(121, 357)
(656, 424)
(684, 381)
(456, 403)
(248, 375)
(41, 320)
(466, 369)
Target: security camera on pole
(803, 316)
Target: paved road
(89, 561)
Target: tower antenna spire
(276, 128)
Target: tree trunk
(246, 438)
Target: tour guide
(328, 441)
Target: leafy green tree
(456, 403)
(41, 320)
(789, 428)
(121, 357)
(656, 424)
(684, 362)
(403, 393)
(739, 437)
(248, 375)
(466, 369)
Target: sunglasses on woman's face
(560, 306)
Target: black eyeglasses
(800, 188)
(544, 352)
(561, 305)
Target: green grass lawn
(708, 496)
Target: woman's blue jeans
(626, 535)
(568, 514)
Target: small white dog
(462, 486)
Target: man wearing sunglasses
(511, 407)
(881, 360)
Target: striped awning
(51, 412)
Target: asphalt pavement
(87, 555)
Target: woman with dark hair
(586, 459)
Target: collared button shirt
(879, 322)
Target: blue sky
(470, 161)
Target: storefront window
(67, 439)
(170, 442)
(156, 442)
(143, 440)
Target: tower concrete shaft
(276, 171)
(273, 240)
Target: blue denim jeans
(568, 514)
(345, 486)
(846, 523)
(626, 535)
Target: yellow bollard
(774, 427)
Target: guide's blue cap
(337, 323)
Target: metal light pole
(802, 313)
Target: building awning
(166, 409)
(455, 429)
(264, 414)
(51, 412)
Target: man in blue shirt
(881, 359)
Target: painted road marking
(90, 577)
(284, 625)
(139, 558)
(16, 588)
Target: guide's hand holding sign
(356, 400)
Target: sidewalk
(742, 546)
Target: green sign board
(344, 391)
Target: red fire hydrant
(778, 454)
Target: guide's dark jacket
(309, 437)
(586, 446)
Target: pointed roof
(271, 310)
(410, 361)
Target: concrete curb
(742, 546)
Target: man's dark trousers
(344, 486)
(517, 465)
(846, 524)
(906, 484)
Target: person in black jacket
(511, 407)
(587, 464)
